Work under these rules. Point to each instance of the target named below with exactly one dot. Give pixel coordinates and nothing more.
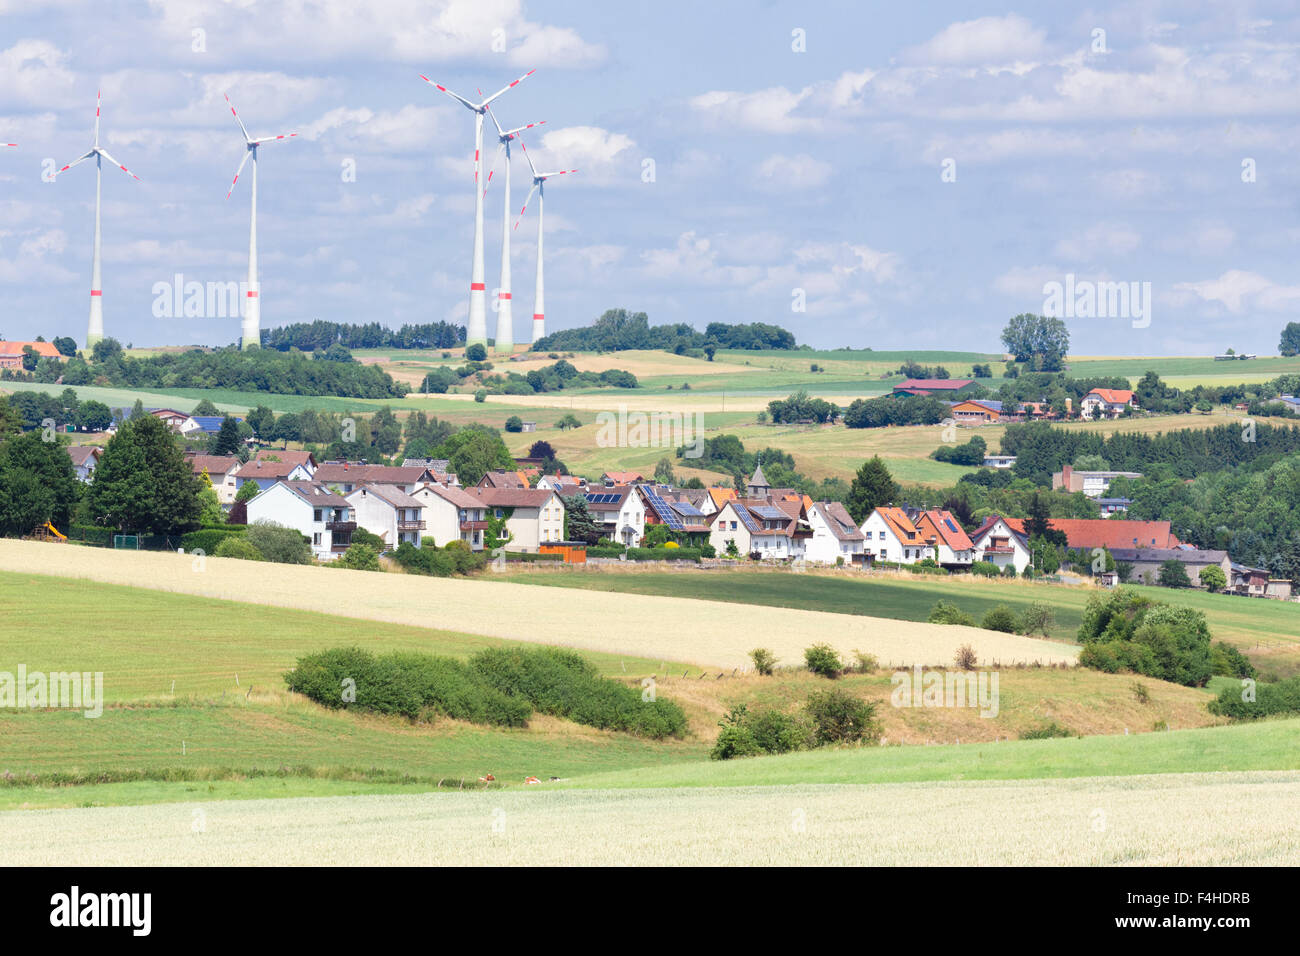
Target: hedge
(528, 557)
(207, 539)
(663, 554)
(1270, 699)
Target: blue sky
(1110, 159)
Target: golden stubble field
(1156, 820)
(705, 632)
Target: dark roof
(514, 497)
(839, 520)
(318, 496)
(936, 384)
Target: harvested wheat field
(1151, 820)
(705, 632)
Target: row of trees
(619, 329)
(319, 335)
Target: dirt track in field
(678, 629)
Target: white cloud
(35, 73)
(1098, 242)
(782, 173)
(1237, 291)
(767, 111)
(986, 41)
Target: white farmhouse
(451, 514)
(322, 516)
(389, 512)
(835, 535)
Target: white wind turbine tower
(539, 180)
(251, 334)
(476, 326)
(95, 328)
(505, 339)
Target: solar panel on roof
(951, 527)
(666, 514)
(689, 510)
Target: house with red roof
(1106, 403)
(11, 353)
(953, 548)
(1110, 533)
(891, 537)
(998, 543)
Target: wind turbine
(476, 326)
(505, 340)
(251, 334)
(95, 328)
(539, 179)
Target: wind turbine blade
(509, 86)
(247, 138)
(8, 144)
(524, 208)
(493, 168)
(272, 139)
(89, 155)
(99, 99)
(454, 96)
(529, 158)
(104, 153)
(519, 129)
(500, 131)
(247, 153)
(562, 172)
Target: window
(316, 515)
(315, 539)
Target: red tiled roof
(43, 349)
(80, 454)
(937, 522)
(214, 464)
(1108, 532)
(266, 468)
(624, 477)
(1113, 396)
(900, 524)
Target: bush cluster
(1270, 699)
(945, 612)
(1125, 630)
(827, 717)
(455, 558)
(500, 687)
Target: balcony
(473, 526)
(410, 525)
(343, 526)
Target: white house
(1094, 484)
(84, 459)
(951, 546)
(267, 469)
(450, 514)
(620, 512)
(892, 537)
(999, 543)
(1106, 403)
(534, 516)
(222, 472)
(835, 535)
(759, 527)
(322, 516)
(389, 512)
(999, 461)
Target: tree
(210, 512)
(473, 452)
(1037, 339)
(247, 492)
(1213, 578)
(278, 543)
(476, 353)
(143, 483)
(570, 420)
(105, 350)
(1173, 574)
(262, 420)
(664, 472)
(206, 408)
(1290, 344)
(65, 345)
(94, 416)
(226, 440)
(37, 484)
(514, 424)
(872, 487)
(385, 431)
(579, 525)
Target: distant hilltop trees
(618, 330)
(318, 336)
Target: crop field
(709, 633)
(1154, 820)
(1268, 630)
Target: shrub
(480, 395)
(207, 539)
(839, 717)
(1046, 731)
(1038, 618)
(866, 663)
(427, 560)
(369, 539)
(359, 557)
(1009, 571)
(514, 424)
(778, 733)
(965, 659)
(734, 740)
(764, 660)
(565, 684)
(985, 568)
(1140, 692)
(236, 547)
(945, 612)
(279, 544)
(1000, 618)
(824, 660)
(1146, 636)
(1270, 699)
(1230, 662)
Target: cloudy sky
(911, 175)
